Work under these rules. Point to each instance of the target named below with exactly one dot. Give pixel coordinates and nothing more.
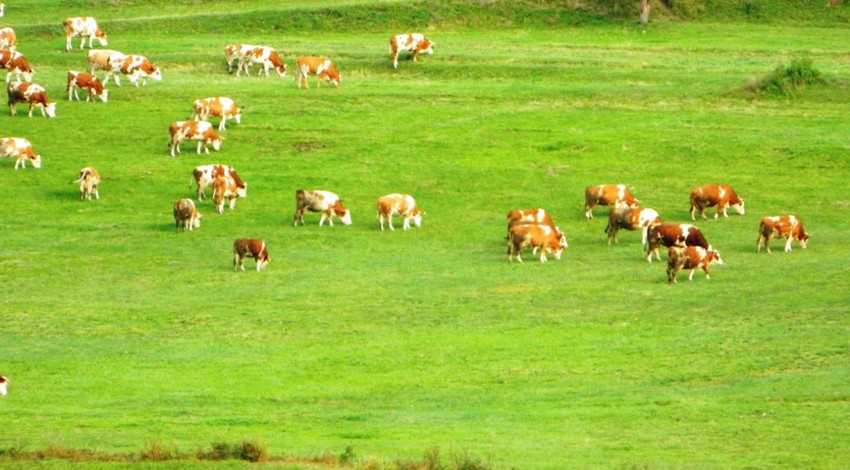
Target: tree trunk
(644, 12)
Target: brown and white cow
(267, 57)
(398, 204)
(205, 175)
(186, 215)
(225, 187)
(137, 68)
(782, 226)
(250, 248)
(99, 59)
(32, 95)
(325, 202)
(720, 195)
(605, 195)
(321, 67)
(692, 258)
(410, 42)
(21, 149)
(84, 27)
(88, 179)
(231, 55)
(220, 106)
(16, 63)
(88, 82)
(532, 216)
(8, 39)
(631, 218)
(4, 382)
(544, 237)
(672, 234)
(201, 131)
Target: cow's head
(802, 237)
(562, 239)
(263, 259)
(101, 37)
(216, 142)
(242, 191)
(196, 219)
(50, 109)
(346, 217)
(281, 70)
(154, 73)
(3, 380)
(237, 116)
(104, 95)
(738, 205)
(427, 47)
(713, 256)
(417, 217)
(36, 161)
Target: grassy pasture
(118, 332)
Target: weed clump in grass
(786, 80)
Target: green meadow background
(371, 349)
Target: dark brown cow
(250, 248)
(32, 95)
(185, 214)
(631, 218)
(670, 234)
(606, 195)
(720, 195)
(88, 82)
(692, 258)
(544, 237)
(787, 226)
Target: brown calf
(250, 248)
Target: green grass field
(120, 334)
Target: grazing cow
(205, 175)
(225, 187)
(21, 149)
(8, 39)
(4, 382)
(99, 59)
(185, 214)
(544, 237)
(398, 204)
(231, 55)
(88, 178)
(630, 218)
(692, 258)
(531, 216)
(135, 67)
(17, 64)
(267, 57)
(670, 234)
(250, 248)
(84, 27)
(787, 226)
(606, 195)
(221, 106)
(201, 131)
(88, 82)
(32, 95)
(321, 67)
(325, 202)
(411, 42)
(720, 195)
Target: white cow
(398, 204)
(21, 149)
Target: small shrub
(786, 80)
(159, 452)
(253, 452)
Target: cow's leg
(30, 113)
(543, 258)
(13, 109)
(395, 59)
(719, 208)
(671, 275)
(406, 225)
(68, 43)
(788, 243)
(390, 220)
